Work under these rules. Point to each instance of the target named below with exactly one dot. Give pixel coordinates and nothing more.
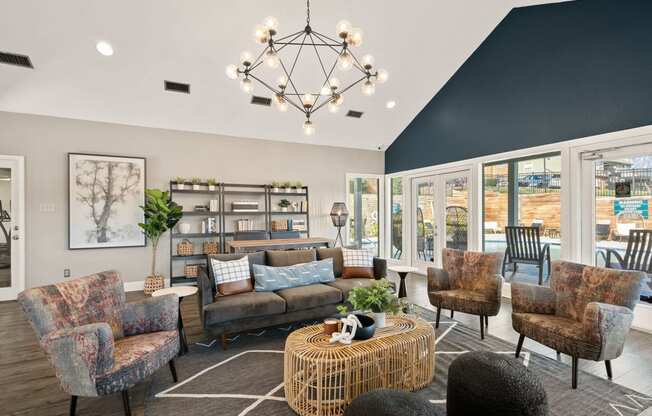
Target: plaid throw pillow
(357, 263)
(232, 277)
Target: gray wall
(45, 142)
(547, 73)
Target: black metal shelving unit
(221, 192)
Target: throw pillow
(357, 263)
(269, 279)
(232, 277)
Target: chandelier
(329, 92)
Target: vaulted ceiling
(420, 42)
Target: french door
(12, 246)
(440, 216)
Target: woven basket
(153, 283)
(210, 247)
(185, 248)
(191, 270)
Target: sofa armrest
(608, 326)
(437, 279)
(205, 295)
(380, 268)
(79, 355)
(527, 298)
(160, 313)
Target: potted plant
(276, 186)
(161, 214)
(284, 204)
(196, 182)
(298, 186)
(180, 181)
(288, 186)
(377, 299)
(212, 182)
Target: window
(363, 200)
(396, 218)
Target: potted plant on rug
(297, 186)
(288, 186)
(179, 181)
(196, 182)
(284, 204)
(276, 187)
(161, 214)
(377, 299)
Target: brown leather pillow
(358, 263)
(232, 277)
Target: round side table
(181, 292)
(402, 272)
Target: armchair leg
(125, 402)
(173, 370)
(607, 363)
(575, 365)
(486, 321)
(558, 356)
(73, 405)
(452, 313)
(541, 273)
(521, 338)
(438, 315)
(481, 327)
(225, 342)
(504, 263)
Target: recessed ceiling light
(104, 48)
(390, 104)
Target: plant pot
(276, 189)
(284, 209)
(153, 283)
(288, 190)
(368, 327)
(184, 227)
(379, 317)
(180, 186)
(195, 187)
(211, 188)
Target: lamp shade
(339, 214)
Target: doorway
(12, 245)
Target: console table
(248, 246)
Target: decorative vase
(284, 209)
(195, 187)
(184, 228)
(379, 317)
(153, 283)
(211, 188)
(288, 189)
(368, 327)
(276, 189)
(180, 186)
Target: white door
(12, 243)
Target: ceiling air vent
(354, 114)
(261, 100)
(177, 87)
(15, 59)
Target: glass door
(424, 225)
(617, 192)
(363, 196)
(11, 226)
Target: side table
(181, 292)
(402, 272)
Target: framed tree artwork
(104, 198)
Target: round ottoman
(486, 383)
(384, 402)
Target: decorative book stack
(244, 206)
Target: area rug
(247, 379)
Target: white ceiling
(420, 42)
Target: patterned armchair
(586, 313)
(98, 343)
(469, 283)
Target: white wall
(45, 142)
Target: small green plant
(195, 180)
(287, 184)
(161, 214)
(211, 181)
(276, 184)
(179, 179)
(376, 298)
(298, 184)
(284, 203)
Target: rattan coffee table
(321, 379)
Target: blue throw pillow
(269, 279)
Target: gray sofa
(222, 315)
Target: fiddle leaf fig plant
(161, 215)
(376, 298)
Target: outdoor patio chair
(603, 229)
(491, 226)
(524, 247)
(456, 227)
(638, 256)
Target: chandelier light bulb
(308, 128)
(271, 59)
(271, 23)
(337, 99)
(368, 88)
(281, 103)
(368, 62)
(382, 76)
(334, 82)
(345, 61)
(343, 28)
(308, 100)
(261, 34)
(246, 85)
(325, 90)
(333, 107)
(246, 58)
(231, 71)
(355, 37)
(282, 82)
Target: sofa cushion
(467, 301)
(270, 279)
(306, 297)
(233, 276)
(357, 263)
(254, 258)
(345, 285)
(334, 253)
(243, 305)
(282, 258)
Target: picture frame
(105, 193)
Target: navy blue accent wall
(546, 73)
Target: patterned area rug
(247, 379)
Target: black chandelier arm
(297, 34)
(341, 92)
(321, 37)
(326, 74)
(275, 91)
(256, 63)
(311, 44)
(284, 44)
(356, 64)
(289, 74)
(339, 43)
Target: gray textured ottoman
(488, 384)
(390, 403)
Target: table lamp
(339, 215)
